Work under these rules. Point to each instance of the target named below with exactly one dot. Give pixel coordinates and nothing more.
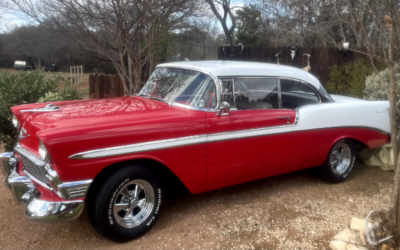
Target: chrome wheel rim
(340, 158)
(133, 203)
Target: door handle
(287, 118)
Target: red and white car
(206, 124)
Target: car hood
(97, 111)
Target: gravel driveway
(290, 211)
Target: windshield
(181, 86)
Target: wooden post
(107, 86)
(91, 86)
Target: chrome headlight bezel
(15, 122)
(44, 155)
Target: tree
(121, 31)
(249, 27)
(227, 10)
(375, 26)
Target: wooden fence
(104, 86)
(321, 58)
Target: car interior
(263, 93)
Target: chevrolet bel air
(207, 125)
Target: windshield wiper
(153, 98)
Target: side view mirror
(224, 110)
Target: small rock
(345, 235)
(357, 224)
(338, 245)
(385, 247)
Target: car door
(242, 144)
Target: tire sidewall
(332, 175)
(114, 230)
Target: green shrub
(375, 91)
(21, 88)
(349, 79)
(50, 97)
(69, 92)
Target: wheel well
(169, 181)
(358, 143)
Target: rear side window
(296, 94)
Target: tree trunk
(393, 209)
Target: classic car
(207, 124)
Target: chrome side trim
(140, 147)
(184, 141)
(193, 108)
(47, 108)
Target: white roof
(239, 68)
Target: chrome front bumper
(24, 192)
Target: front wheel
(127, 204)
(339, 162)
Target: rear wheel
(127, 204)
(339, 162)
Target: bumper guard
(25, 193)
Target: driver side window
(251, 93)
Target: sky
(11, 19)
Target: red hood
(85, 112)
(78, 113)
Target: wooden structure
(104, 86)
(76, 75)
(321, 58)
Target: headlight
(15, 122)
(43, 152)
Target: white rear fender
(372, 114)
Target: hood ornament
(48, 108)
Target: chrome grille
(39, 172)
(33, 166)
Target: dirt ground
(291, 211)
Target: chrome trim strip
(32, 157)
(184, 141)
(193, 108)
(75, 184)
(140, 147)
(47, 108)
